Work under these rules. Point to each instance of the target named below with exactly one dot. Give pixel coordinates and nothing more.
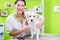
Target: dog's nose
(31, 20)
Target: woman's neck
(19, 15)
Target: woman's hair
(24, 3)
(20, 0)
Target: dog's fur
(33, 19)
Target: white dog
(32, 19)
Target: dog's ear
(37, 17)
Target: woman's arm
(41, 22)
(16, 32)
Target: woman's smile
(19, 10)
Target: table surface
(46, 37)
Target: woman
(14, 22)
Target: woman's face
(19, 6)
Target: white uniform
(13, 24)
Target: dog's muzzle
(31, 20)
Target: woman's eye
(23, 5)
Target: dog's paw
(37, 39)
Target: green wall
(52, 19)
(55, 17)
(3, 19)
(47, 14)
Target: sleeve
(9, 26)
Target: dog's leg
(37, 35)
(32, 34)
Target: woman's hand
(26, 28)
(39, 25)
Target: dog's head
(32, 17)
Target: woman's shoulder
(10, 16)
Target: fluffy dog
(33, 19)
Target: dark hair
(20, 0)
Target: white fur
(32, 24)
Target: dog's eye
(33, 16)
(30, 16)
